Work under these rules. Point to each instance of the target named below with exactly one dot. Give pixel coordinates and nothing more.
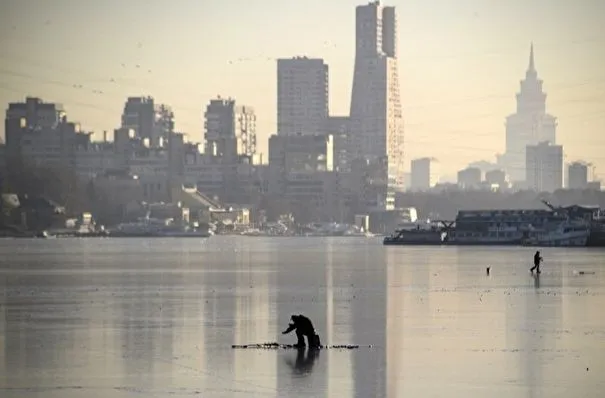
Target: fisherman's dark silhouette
(537, 261)
(303, 327)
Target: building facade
(424, 174)
(544, 167)
(36, 113)
(301, 174)
(2, 160)
(339, 128)
(470, 178)
(151, 122)
(577, 175)
(308, 153)
(496, 178)
(230, 130)
(95, 158)
(302, 96)
(38, 134)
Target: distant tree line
(60, 185)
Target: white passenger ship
(567, 234)
(518, 227)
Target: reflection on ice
(305, 359)
(109, 318)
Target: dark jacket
(537, 258)
(302, 324)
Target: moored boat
(557, 226)
(153, 228)
(411, 237)
(417, 234)
(567, 234)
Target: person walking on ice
(537, 260)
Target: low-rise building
(469, 178)
(577, 175)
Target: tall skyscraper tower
(530, 125)
(376, 114)
(302, 96)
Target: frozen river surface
(157, 318)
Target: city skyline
(471, 94)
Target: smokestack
(105, 136)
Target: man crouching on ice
(303, 327)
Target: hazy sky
(460, 63)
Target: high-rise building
(230, 129)
(151, 122)
(48, 147)
(36, 113)
(577, 175)
(544, 167)
(302, 96)
(138, 116)
(424, 174)
(376, 114)
(38, 133)
(163, 128)
(530, 124)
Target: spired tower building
(530, 125)
(376, 114)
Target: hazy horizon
(460, 64)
